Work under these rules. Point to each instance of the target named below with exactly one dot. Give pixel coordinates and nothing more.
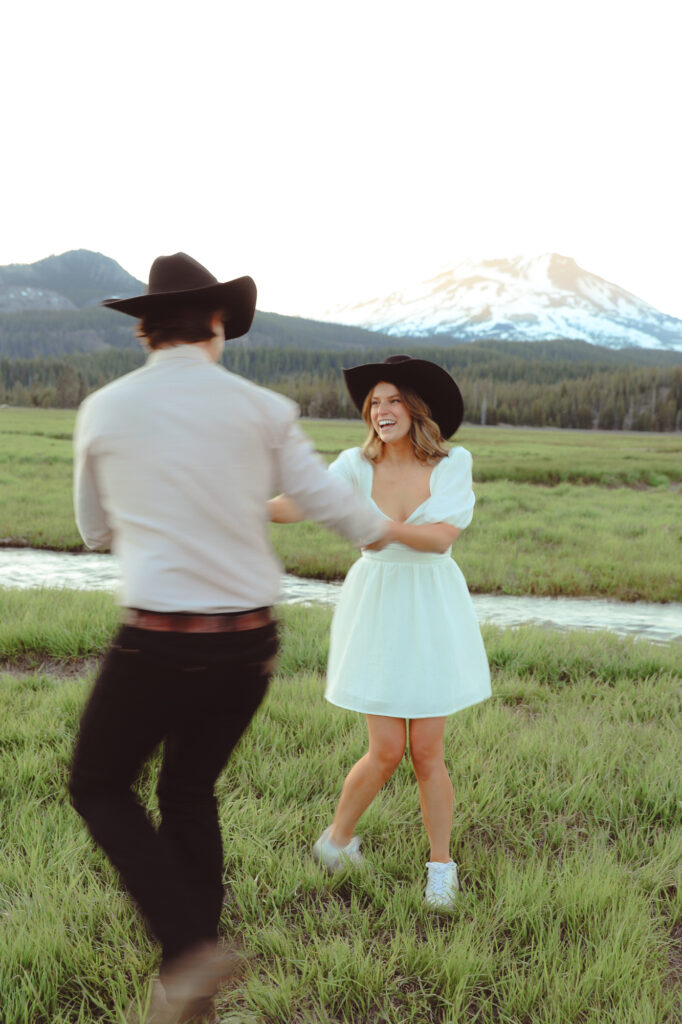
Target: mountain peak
(81, 277)
(539, 298)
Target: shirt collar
(195, 353)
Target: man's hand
(283, 509)
(388, 537)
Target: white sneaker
(337, 858)
(442, 885)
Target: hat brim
(236, 299)
(430, 381)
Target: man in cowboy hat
(174, 464)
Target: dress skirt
(405, 640)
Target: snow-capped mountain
(521, 299)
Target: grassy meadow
(567, 830)
(568, 794)
(558, 512)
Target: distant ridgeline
(555, 384)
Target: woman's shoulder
(351, 462)
(454, 470)
(350, 457)
(457, 452)
(457, 458)
(353, 454)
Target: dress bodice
(451, 499)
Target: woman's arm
(435, 537)
(283, 509)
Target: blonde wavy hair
(427, 442)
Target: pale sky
(337, 149)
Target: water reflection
(26, 567)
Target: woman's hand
(436, 537)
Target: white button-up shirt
(173, 466)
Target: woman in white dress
(406, 649)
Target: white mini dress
(405, 640)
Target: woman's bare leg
(387, 738)
(435, 788)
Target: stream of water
(27, 567)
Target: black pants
(196, 693)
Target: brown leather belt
(186, 622)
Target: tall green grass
(65, 625)
(567, 832)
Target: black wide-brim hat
(179, 282)
(430, 381)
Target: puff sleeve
(345, 466)
(453, 500)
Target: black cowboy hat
(179, 281)
(430, 381)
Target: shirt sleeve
(91, 518)
(453, 499)
(326, 497)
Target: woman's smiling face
(390, 418)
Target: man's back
(186, 456)
(174, 464)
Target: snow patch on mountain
(522, 299)
(18, 299)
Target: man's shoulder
(110, 391)
(221, 394)
(262, 397)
